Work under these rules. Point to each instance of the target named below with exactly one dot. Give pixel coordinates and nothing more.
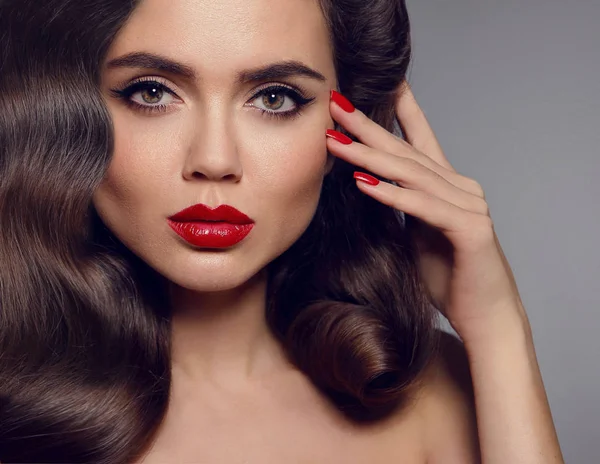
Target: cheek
(134, 179)
(140, 161)
(291, 176)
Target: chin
(217, 270)
(210, 271)
(205, 283)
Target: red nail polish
(342, 101)
(366, 178)
(338, 136)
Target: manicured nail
(342, 101)
(366, 178)
(338, 136)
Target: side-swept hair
(85, 324)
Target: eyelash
(143, 84)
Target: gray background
(512, 90)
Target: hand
(462, 263)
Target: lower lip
(211, 234)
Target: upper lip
(201, 212)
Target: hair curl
(85, 324)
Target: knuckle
(362, 121)
(477, 189)
(482, 207)
(411, 164)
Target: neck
(223, 337)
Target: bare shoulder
(447, 407)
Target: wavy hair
(85, 324)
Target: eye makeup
(280, 89)
(144, 84)
(159, 89)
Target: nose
(213, 152)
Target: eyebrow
(276, 70)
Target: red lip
(200, 212)
(214, 228)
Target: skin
(235, 397)
(214, 146)
(469, 280)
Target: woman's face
(197, 132)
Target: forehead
(219, 37)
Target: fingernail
(338, 136)
(342, 101)
(366, 178)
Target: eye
(149, 95)
(280, 101)
(146, 95)
(152, 94)
(274, 98)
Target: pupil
(155, 95)
(273, 98)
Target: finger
(416, 128)
(385, 165)
(432, 210)
(407, 172)
(372, 134)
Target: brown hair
(85, 324)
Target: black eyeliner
(298, 98)
(125, 94)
